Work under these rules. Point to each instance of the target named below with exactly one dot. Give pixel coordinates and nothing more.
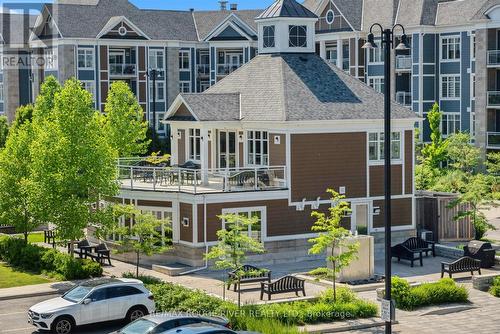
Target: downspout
(204, 237)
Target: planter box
(364, 266)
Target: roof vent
(223, 5)
(234, 6)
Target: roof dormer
(286, 27)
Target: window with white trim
(258, 148)
(376, 146)
(450, 86)
(450, 48)
(194, 144)
(450, 124)
(376, 55)
(297, 36)
(184, 60)
(156, 59)
(254, 230)
(185, 86)
(160, 91)
(473, 125)
(268, 40)
(160, 126)
(473, 86)
(50, 59)
(1, 91)
(473, 38)
(376, 83)
(85, 59)
(89, 86)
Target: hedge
(441, 292)
(36, 259)
(495, 287)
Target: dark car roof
(163, 317)
(199, 328)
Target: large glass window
(345, 56)
(86, 59)
(450, 48)
(376, 55)
(376, 83)
(376, 146)
(1, 91)
(185, 87)
(89, 86)
(254, 230)
(156, 59)
(450, 86)
(195, 144)
(160, 91)
(184, 60)
(268, 37)
(50, 59)
(258, 148)
(297, 36)
(450, 124)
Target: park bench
(101, 254)
(82, 248)
(49, 237)
(250, 274)
(282, 285)
(419, 244)
(462, 265)
(402, 252)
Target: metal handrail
(494, 57)
(494, 98)
(403, 62)
(122, 69)
(493, 140)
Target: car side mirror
(87, 301)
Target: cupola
(286, 27)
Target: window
(156, 59)
(330, 16)
(184, 60)
(331, 54)
(450, 48)
(89, 86)
(450, 86)
(297, 37)
(98, 295)
(473, 86)
(195, 144)
(185, 87)
(86, 59)
(376, 146)
(473, 125)
(268, 37)
(450, 124)
(376, 55)
(50, 59)
(376, 83)
(254, 230)
(122, 291)
(473, 38)
(345, 56)
(257, 148)
(160, 91)
(1, 91)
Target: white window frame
(473, 46)
(160, 85)
(446, 120)
(473, 125)
(377, 83)
(379, 141)
(447, 78)
(86, 83)
(376, 56)
(154, 55)
(163, 210)
(86, 53)
(263, 143)
(293, 40)
(269, 35)
(49, 54)
(1, 94)
(184, 84)
(450, 41)
(194, 134)
(248, 211)
(473, 86)
(182, 54)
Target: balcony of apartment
(493, 140)
(203, 70)
(494, 58)
(122, 63)
(225, 69)
(139, 174)
(403, 63)
(494, 99)
(404, 98)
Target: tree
(144, 237)
(461, 153)
(435, 152)
(333, 237)
(233, 245)
(4, 130)
(72, 163)
(123, 123)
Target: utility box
(363, 267)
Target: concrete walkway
(26, 291)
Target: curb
(31, 295)
(346, 328)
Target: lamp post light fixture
(388, 41)
(154, 74)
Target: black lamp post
(154, 74)
(388, 43)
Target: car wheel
(135, 313)
(62, 325)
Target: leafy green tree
(435, 152)
(234, 244)
(72, 164)
(124, 124)
(144, 237)
(24, 114)
(4, 130)
(461, 153)
(333, 237)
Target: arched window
(297, 36)
(268, 37)
(330, 16)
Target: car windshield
(140, 326)
(77, 293)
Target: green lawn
(35, 237)
(10, 278)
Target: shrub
(495, 287)
(146, 279)
(441, 292)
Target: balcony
(139, 175)
(225, 69)
(203, 69)
(404, 98)
(493, 140)
(122, 70)
(494, 58)
(403, 63)
(494, 99)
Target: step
(174, 269)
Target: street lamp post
(153, 74)
(388, 43)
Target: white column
(204, 155)
(339, 53)
(322, 49)
(174, 141)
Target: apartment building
(454, 58)
(267, 141)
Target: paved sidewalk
(46, 289)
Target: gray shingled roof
(292, 87)
(460, 12)
(214, 107)
(206, 21)
(15, 29)
(286, 8)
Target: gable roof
(115, 21)
(208, 23)
(351, 10)
(286, 8)
(15, 29)
(460, 12)
(290, 87)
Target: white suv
(96, 300)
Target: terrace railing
(225, 69)
(122, 69)
(493, 99)
(403, 63)
(494, 57)
(493, 140)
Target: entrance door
(227, 149)
(361, 218)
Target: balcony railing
(225, 69)
(133, 175)
(403, 63)
(203, 69)
(494, 57)
(493, 140)
(494, 99)
(122, 69)
(403, 98)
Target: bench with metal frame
(462, 265)
(282, 285)
(250, 274)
